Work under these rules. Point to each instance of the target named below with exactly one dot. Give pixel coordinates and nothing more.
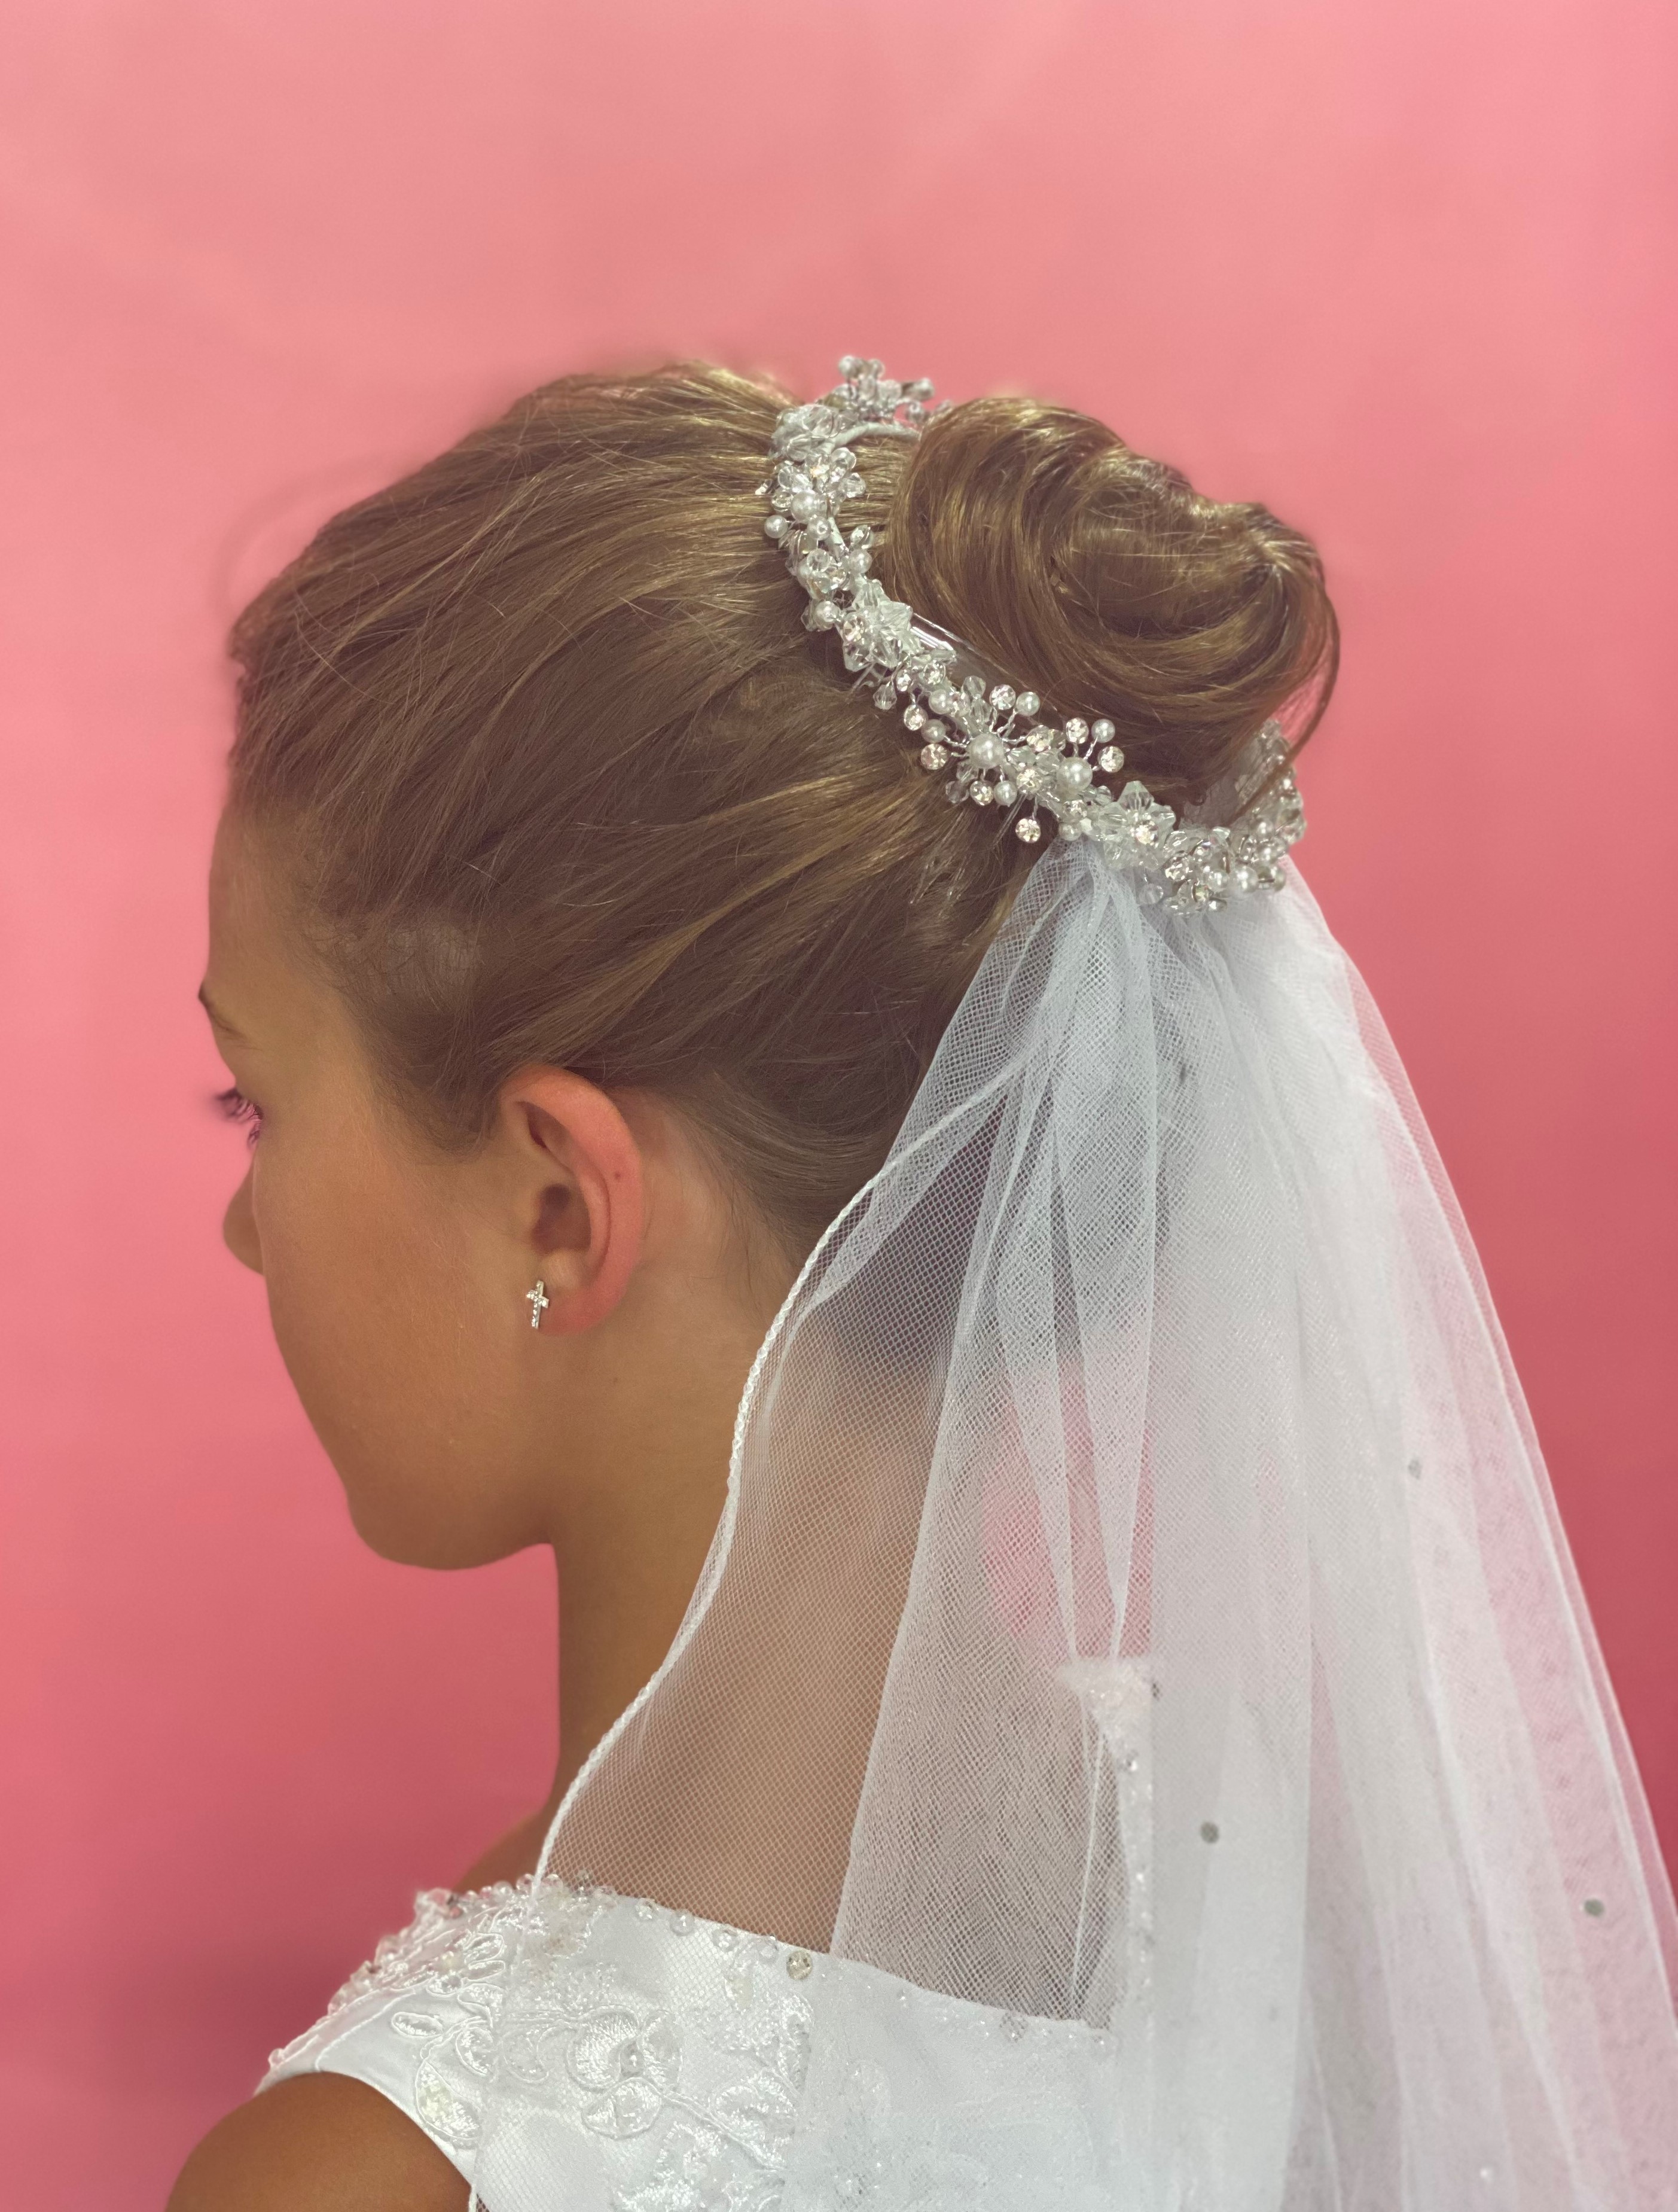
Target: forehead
(255, 981)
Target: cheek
(383, 1329)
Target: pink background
(1398, 266)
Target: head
(573, 920)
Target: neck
(621, 1596)
(625, 1578)
(628, 1546)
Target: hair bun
(1104, 581)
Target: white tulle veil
(1140, 1602)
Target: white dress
(660, 2061)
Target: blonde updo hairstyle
(560, 776)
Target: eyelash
(237, 1108)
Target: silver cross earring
(539, 1302)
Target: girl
(1073, 1692)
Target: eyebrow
(219, 1019)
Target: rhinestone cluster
(989, 739)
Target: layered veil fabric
(1140, 1631)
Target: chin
(420, 1532)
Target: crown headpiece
(990, 737)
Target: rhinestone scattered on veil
(990, 740)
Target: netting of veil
(1139, 1603)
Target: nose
(238, 1228)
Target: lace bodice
(656, 2063)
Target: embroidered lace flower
(662, 2059)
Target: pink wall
(1398, 265)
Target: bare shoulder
(319, 2143)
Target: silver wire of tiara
(989, 735)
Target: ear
(578, 1188)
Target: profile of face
(398, 1275)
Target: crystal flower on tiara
(998, 749)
